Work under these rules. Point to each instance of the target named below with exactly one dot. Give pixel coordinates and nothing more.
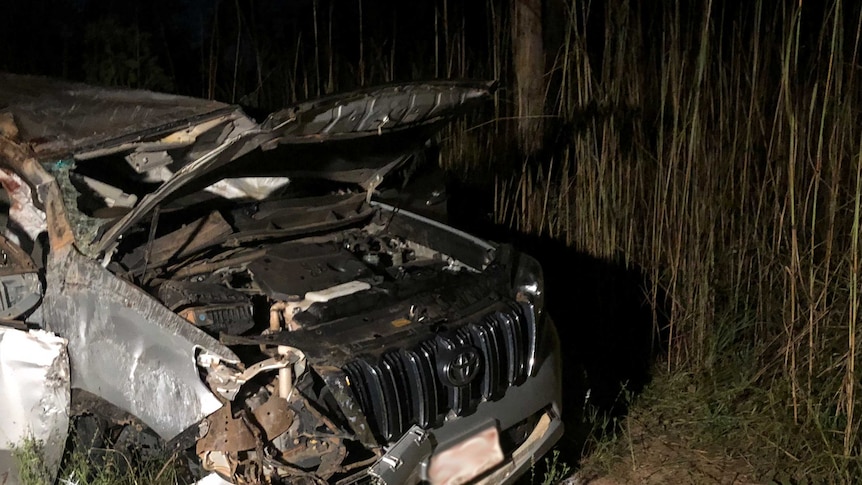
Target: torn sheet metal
(257, 188)
(20, 287)
(128, 348)
(24, 216)
(19, 293)
(34, 385)
(244, 137)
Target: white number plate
(466, 460)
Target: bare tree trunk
(529, 57)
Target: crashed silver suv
(235, 286)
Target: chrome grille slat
(404, 387)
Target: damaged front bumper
(501, 439)
(411, 459)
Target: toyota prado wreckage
(235, 286)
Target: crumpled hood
(355, 137)
(373, 111)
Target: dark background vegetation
(697, 172)
(267, 53)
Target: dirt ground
(644, 455)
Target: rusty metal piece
(13, 260)
(274, 417)
(330, 463)
(182, 242)
(325, 455)
(22, 161)
(256, 464)
(226, 434)
(309, 446)
(307, 449)
(317, 416)
(229, 434)
(190, 315)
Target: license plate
(467, 459)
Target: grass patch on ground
(722, 426)
(29, 455)
(552, 470)
(98, 466)
(120, 469)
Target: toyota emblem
(462, 367)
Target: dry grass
(80, 467)
(678, 441)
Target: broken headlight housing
(528, 282)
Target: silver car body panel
(126, 347)
(34, 383)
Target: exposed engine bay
(314, 312)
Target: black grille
(416, 386)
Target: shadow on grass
(604, 318)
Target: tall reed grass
(721, 150)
